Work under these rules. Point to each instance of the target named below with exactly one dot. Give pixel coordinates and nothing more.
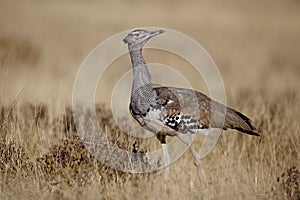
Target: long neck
(142, 93)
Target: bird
(172, 111)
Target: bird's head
(139, 37)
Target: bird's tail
(240, 122)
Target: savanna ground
(255, 44)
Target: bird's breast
(151, 120)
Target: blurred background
(255, 44)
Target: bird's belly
(153, 122)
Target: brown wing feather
(184, 103)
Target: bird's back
(188, 110)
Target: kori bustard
(159, 110)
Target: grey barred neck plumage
(174, 111)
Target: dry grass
(42, 43)
(42, 153)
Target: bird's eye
(136, 34)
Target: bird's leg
(162, 138)
(165, 155)
(197, 162)
(166, 163)
(187, 139)
(166, 159)
(197, 159)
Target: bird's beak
(125, 40)
(157, 32)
